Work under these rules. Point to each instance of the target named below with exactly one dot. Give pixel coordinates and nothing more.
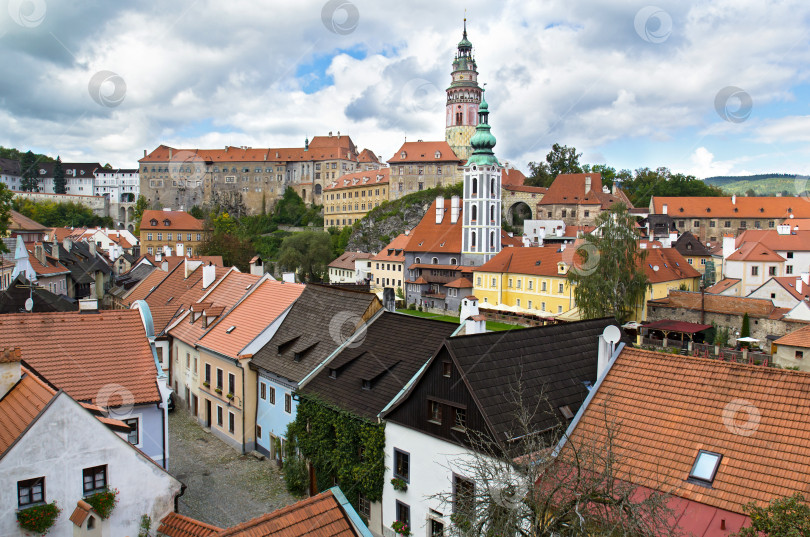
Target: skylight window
(705, 467)
(229, 330)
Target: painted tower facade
(463, 99)
(482, 196)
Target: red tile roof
(360, 179)
(10, 355)
(347, 259)
(318, 516)
(367, 155)
(82, 353)
(20, 407)
(797, 338)
(722, 207)
(722, 285)
(320, 148)
(669, 407)
(224, 294)
(177, 525)
(535, 261)
(51, 267)
(428, 236)
(79, 514)
(178, 220)
(788, 283)
(755, 251)
(394, 250)
(250, 316)
(671, 266)
(731, 305)
(461, 283)
(424, 152)
(569, 189)
(512, 177)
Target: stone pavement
(224, 487)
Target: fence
(704, 350)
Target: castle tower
(463, 98)
(482, 196)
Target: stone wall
(100, 205)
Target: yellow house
(227, 383)
(535, 279)
(350, 197)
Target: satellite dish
(612, 334)
(29, 304)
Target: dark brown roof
(689, 245)
(20, 222)
(390, 352)
(318, 322)
(555, 360)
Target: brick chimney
(39, 253)
(10, 371)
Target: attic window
(708, 209)
(230, 329)
(297, 358)
(705, 467)
(332, 373)
(681, 209)
(566, 412)
(366, 384)
(153, 222)
(167, 222)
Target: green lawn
(492, 326)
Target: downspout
(163, 425)
(243, 404)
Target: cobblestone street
(224, 487)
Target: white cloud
(201, 73)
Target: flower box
(207, 384)
(103, 502)
(38, 518)
(229, 396)
(399, 484)
(218, 390)
(401, 528)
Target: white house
(350, 267)
(55, 449)
(785, 292)
(760, 254)
(464, 387)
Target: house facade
(170, 233)
(420, 165)
(350, 197)
(389, 264)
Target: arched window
(435, 261)
(472, 239)
(474, 213)
(492, 240)
(492, 187)
(475, 186)
(417, 260)
(491, 213)
(453, 261)
(317, 190)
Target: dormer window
(366, 384)
(297, 356)
(705, 468)
(153, 222)
(438, 154)
(332, 373)
(403, 155)
(167, 222)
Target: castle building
(481, 238)
(463, 98)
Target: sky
(704, 88)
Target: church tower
(463, 98)
(482, 196)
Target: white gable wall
(67, 439)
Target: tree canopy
(561, 159)
(51, 214)
(783, 517)
(29, 169)
(605, 268)
(308, 253)
(5, 213)
(59, 183)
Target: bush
(39, 518)
(412, 307)
(145, 526)
(296, 475)
(420, 307)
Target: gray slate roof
(318, 322)
(393, 349)
(555, 360)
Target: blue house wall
(272, 417)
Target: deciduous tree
(5, 213)
(606, 268)
(783, 517)
(561, 159)
(307, 253)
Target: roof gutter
(405, 388)
(587, 401)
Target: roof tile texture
(669, 407)
(99, 357)
(722, 207)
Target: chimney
(170, 153)
(209, 275)
(39, 253)
(783, 229)
(67, 244)
(799, 285)
(439, 209)
(190, 266)
(728, 245)
(614, 188)
(144, 153)
(664, 209)
(389, 299)
(587, 183)
(164, 265)
(454, 209)
(55, 248)
(92, 245)
(88, 305)
(806, 278)
(734, 199)
(673, 237)
(10, 371)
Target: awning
(681, 327)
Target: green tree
(223, 224)
(59, 184)
(140, 206)
(783, 517)
(235, 251)
(606, 268)
(30, 172)
(197, 212)
(561, 159)
(307, 253)
(5, 213)
(745, 330)
(646, 183)
(608, 173)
